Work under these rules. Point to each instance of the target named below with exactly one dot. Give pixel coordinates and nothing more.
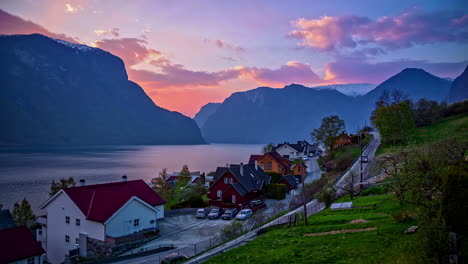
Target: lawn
(386, 244)
(456, 126)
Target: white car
(305, 158)
(244, 214)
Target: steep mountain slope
(459, 90)
(205, 112)
(265, 114)
(55, 92)
(351, 89)
(272, 115)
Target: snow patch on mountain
(351, 89)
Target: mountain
(351, 89)
(205, 112)
(267, 115)
(459, 90)
(56, 92)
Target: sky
(187, 53)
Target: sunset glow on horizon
(185, 54)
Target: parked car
(200, 213)
(230, 214)
(173, 258)
(256, 205)
(244, 214)
(305, 158)
(215, 213)
(365, 158)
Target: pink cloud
(222, 44)
(11, 24)
(101, 32)
(291, 72)
(409, 28)
(131, 50)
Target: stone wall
(97, 249)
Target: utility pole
(304, 201)
(360, 143)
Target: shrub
(232, 230)
(403, 216)
(344, 163)
(377, 190)
(276, 191)
(275, 176)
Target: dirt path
(342, 231)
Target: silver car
(244, 214)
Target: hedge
(276, 191)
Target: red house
(342, 140)
(237, 185)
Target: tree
(393, 121)
(62, 184)
(267, 148)
(184, 177)
(350, 184)
(23, 214)
(327, 195)
(161, 186)
(426, 112)
(330, 128)
(393, 166)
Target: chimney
(82, 182)
(124, 178)
(256, 165)
(242, 169)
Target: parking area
(184, 230)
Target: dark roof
(250, 180)
(291, 180)
(6, 220)
(300, 146)
(18, 243)
(253, 158)
(100, 201)
(284, 162)
(193, 179)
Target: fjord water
(27, 173)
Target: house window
(219, 193)
(233, 199)
(77, 241)
(231, 180)
(67, 238)
(225, 180)
(78, 222)
(270, 166)
(262, 166)
(67, 219)
(31, 260)
(136, 222)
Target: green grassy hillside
(386, 244)
(456, 126)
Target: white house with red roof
(100, 213)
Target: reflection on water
(27, 173)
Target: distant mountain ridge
(205, 112)
(266, 114)
(56, 92)
(459, 89)
(351, 89)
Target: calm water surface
(27, 173)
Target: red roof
(100, 201)
(18, 243)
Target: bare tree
(393, 166)
(350, 184)
(399, 96)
